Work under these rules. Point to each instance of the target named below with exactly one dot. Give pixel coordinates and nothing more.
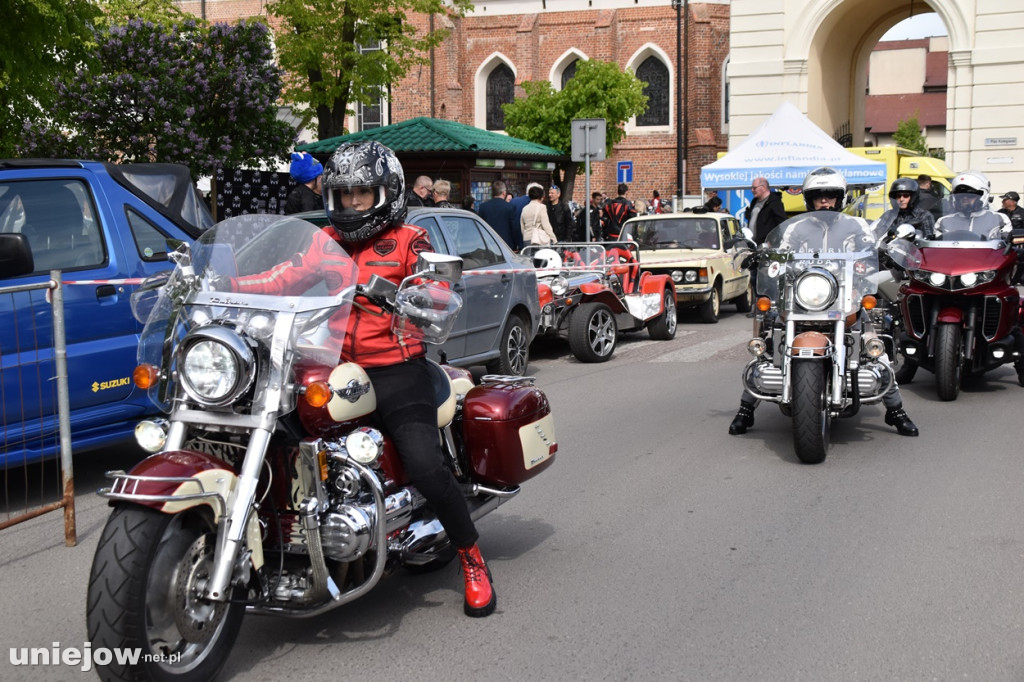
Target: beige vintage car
(696, 250)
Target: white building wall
(773, 58)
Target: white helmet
(547, 259)
(824, 182)
(970, 192)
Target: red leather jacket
(391, 254)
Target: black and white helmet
(364, 164)
(824, 182)
(970, 192)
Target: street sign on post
(588, 143)
(588, 139)
(625, 173)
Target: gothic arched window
(655, 74)
(501, 89)
(569, 73)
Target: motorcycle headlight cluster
(215, 365)
(816, 290)
(964, 281)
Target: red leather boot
(480, 597)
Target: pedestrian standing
(560, 215)
(307, 172)
(534, 221)
(501, 215)
(765, 211)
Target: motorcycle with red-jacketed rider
(815, 353)
(270, 489)
(961, 313)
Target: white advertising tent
(784, 149)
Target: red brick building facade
(541, 46)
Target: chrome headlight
(365, 445)
(936, 279)
(215, 365)
(874, 347)
(559, 285)
(151, 434)
(690, 276)
(816, 290)
(677, 276)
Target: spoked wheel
(514, 349)
(592, 332)
(663, 327)
(145, 589)
(811, 419)
(949, 360)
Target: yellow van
(872, 202)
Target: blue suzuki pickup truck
(105, 226)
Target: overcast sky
(920, 26)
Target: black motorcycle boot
(743, 420)
(1019, 366)
(897, 416)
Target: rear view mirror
(439, 266)
(15, 256)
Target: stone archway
(815, 55)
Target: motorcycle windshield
(967, 217)
(267, 284)
(839, 248)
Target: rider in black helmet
(904, 195)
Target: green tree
(598, 90)
(120, 12)
(908, 134)
(322, 46)
(179, 93)
(40, 41)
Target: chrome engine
(763, 378)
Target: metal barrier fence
(35, 498)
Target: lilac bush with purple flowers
(178, 93)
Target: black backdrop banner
(238, 191)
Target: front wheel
(949, 360)
(663, 327)
(712, 307)
(592, 332)
(144, 595)
(513, 349)
(811, 419)
(745, 303)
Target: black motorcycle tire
(140, 560)
(514, 349)
(663, 327)
(592, 332)
(811, 420)
(948, 360)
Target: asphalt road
(660, 548)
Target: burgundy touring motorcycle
(270, 490)
(961, 314)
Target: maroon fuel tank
(509, 432)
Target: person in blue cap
(306, 196)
